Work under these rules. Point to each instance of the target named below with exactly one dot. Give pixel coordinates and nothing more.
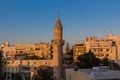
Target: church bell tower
(57, 44)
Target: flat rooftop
(103, 73)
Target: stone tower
(57, 44)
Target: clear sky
(32, 21)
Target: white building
(97, 73)
(109, 47)
(11, 67)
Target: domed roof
(109, 35)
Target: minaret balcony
(58, 42)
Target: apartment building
(78, 49)
(25, 48)
(25, 67)
(108, 46)
(43, 50)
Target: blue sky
(32, 21)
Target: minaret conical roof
(58, 23)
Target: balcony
(58, 42)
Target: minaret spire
(58, 31)
(58, 14)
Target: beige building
(24, 66)
(25, 48)
(9, 51)
(78, 49)
(43, 50)
(5, 44)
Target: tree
(70, 52)
(1, 63)
(27, 57)
(67, 48)
(44, 73)
(18, 76)
(88, 60)
(1, 66)
(70, 58)
(108, 62)
(105, 61)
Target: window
(26, 68)
(5, 69)
(12, 68)
(37, 49)
(8, 69)
(107, 55)
(34, 67)
(31, 48)
(21, 51)
(100, 50)
(8, 62)
(34, 62)
(107, 50)
(100, 54)
(28, 63)
(94, 49)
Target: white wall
(76, 75)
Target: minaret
(57, 44)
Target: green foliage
(70, 53)
(1, 76)
(44, 73)
(1, 66)
(105, 62)
(1, 63)
(67, 48)
(88, 60)
(18, 76)
(27, 57)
